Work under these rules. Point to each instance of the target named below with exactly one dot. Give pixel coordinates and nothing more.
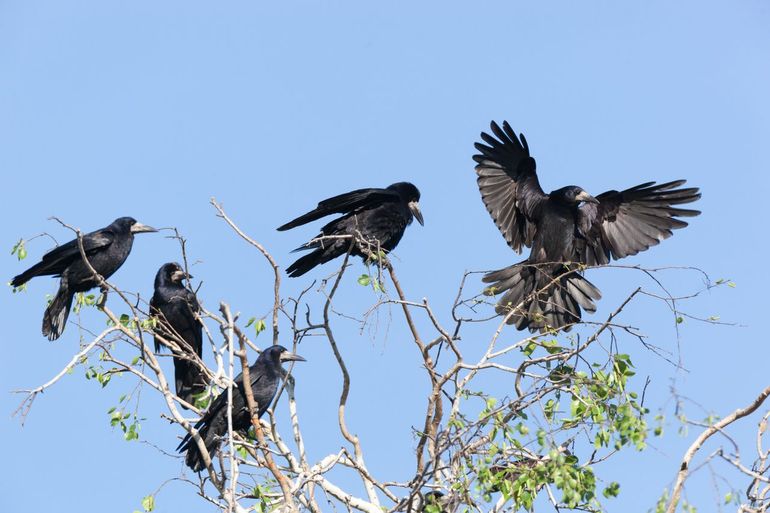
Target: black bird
(176, 307)
(378, 216)
(265, 375)
(431, 501)
(567, 230)
(106, 250)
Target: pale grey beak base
(142, 228)
(291, 357)
(179, 275)
(584, 196)
(414, 207)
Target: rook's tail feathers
(542, 296)
(319, 256)
(212, 435)
(190, 381)
(55, 317)
(193, 459)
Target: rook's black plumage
(106, 250)
(175, 307)
(265, 375)
(431, 501)
(379, 216)
(547, 289)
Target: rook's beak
(414, 207)
(142, 228)
(291, 357)
(584, 196)
(180, 275)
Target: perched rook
(378, 216)
(106, 250)
(265, 375)
(176, 307)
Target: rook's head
(129, 224)
(411, 196)
(572, 195)
(278, 354)
(171, 273)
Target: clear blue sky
(150, 108)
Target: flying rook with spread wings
(566, 229)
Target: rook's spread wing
(627, 222)
(508, 184)
(345, 203)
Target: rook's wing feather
(508, 184)
(343, 204)
(627, 222)
(70, 251)
(58, 259)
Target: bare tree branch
(698, 443)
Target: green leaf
(612, 490)
(549, 409)
(529, 348)
(148, 503)
(202, 400)
(132, 434)
(551, 346)
(364, 280)
(490, 291)
(104, 379)
(260, 326)
(19, 250)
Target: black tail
(211, 440)
(190, 381)
(319, 256)
(542, 296)
(194, 460)
(55, 317)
